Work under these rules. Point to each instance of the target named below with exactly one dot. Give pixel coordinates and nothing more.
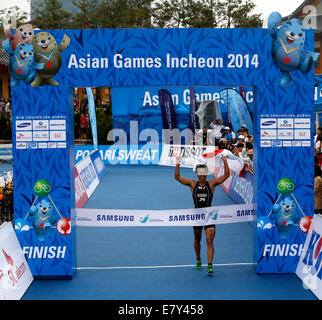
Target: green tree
(48, 14)
(7, 13)
(122, 13)
(205, 14)
(104, 122)
(88, 14)
(237, 14)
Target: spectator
(317, 190)
(318, 133)
(217, 126)
(235, 150)
(249, 163)
(84, 104)
(231, 136)
(84, 122)
(250, 138)
(245, 133)
(223, 133)
(239, 147)
(2, 105)
(240, 139)
(229, 145)
(204, 136)
(248, 146)
(76, 105)
(8, 109)
(228, 134)
(244, 127)
(318, 145)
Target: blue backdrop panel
(141, 104)
(173, 57)
(275, 253)
(44, 157)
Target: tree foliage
(148, 14)
(205, 14)
(8, 13)
(48, 14)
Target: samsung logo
(241, 213)
(114, 217)
(268, 123)
(187, 217)
(23, 125)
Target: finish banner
(165, 218)
(189, 154)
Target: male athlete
(202, 193)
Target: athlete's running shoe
(198, 265)
(210, 268)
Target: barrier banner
(148, 154)
(6, 152)
(166, 218)
(80, 191)
(90, 170)
(15, 275)
(242, 188)
(309, 268)
(88, 175)
(239, 189)
(189, 154)
(98, 165)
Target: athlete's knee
(209, 241)
(210, 236)
(197, 236)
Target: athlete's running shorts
(206, 227)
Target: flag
(214, 159)
(92, 116)
(237, 108)
(167, 110)
(193, 124)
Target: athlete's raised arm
(187, 182)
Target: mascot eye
(48, 38)
(36, 41)
(21, 29)
(292, 34)
(300, 34)
(30, 33)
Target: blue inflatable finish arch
(43, 127)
